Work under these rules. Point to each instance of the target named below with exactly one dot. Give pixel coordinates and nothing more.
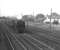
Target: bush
(47, 22)
(55, 22)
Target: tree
(25, 17)
(40, 17)
(28, 18)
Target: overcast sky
(18, 7)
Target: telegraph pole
(50, 20)
(0, 12)
(33, 12)
(33, 15)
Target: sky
(22, 7)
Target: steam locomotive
(20, 26)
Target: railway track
(17, 45)
(36, 42)
(50, 35)
(29, 42)
(14, 43)
(44, 36)
(9, 41)
(22, 43)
